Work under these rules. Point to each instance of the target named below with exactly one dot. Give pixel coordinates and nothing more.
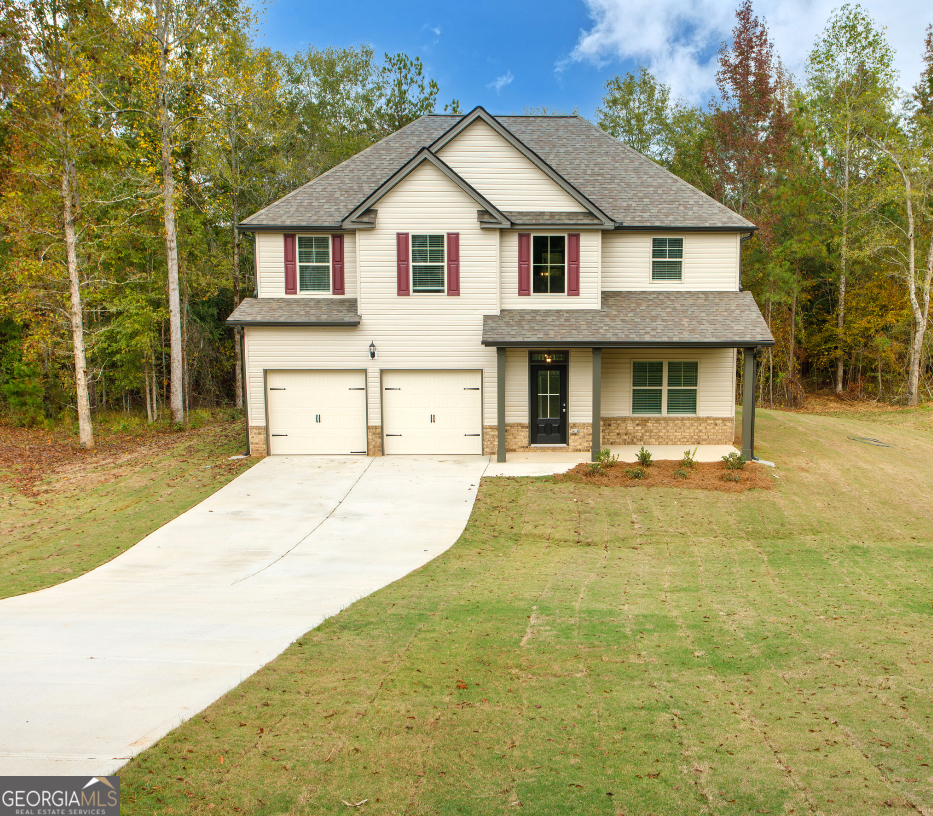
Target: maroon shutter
(453, 263)
(401, 257)
(291, 270)
(336, 249)
(573, 263)
(524, 263)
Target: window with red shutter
(291, 270)
(573, 263)
(402, 266)
(453, 263)
(524, 263)
(336, 245)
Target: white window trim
(411, 264)
(663, 386)
(531, 263)
(651, 260)
(330, 265)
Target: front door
(549, 404)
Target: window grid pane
(646, 400)
(314, 278)
(427, 278)
(681, 374)
(682, 401)
(667, 247)
(647, 373)
(313, 249)
(666, 270)
(548, 256)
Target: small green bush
(644, 457)
(24, 394)
(199, 418)
(681, 473)
(732, 476)
(595, 467)
(606, 458)
(734, 461)
(689, 460)
(636, 472)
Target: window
(647, 382)
(313, 263)
(667, 259)
(427, 263)
(681, 387)
(649, 392)
(548, 264)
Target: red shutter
(453, 263)
(524, 263)
(401, 258)
(573, 263)
(291, 270)
(336, 249)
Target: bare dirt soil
(702, 476)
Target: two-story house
(477, 284)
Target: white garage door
(316, 411)
(432, 411)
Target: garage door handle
(392, 389)
(472, 434)
(470, 389)
(275, 389)
(393, 434)
(279, 434)
(356, 389)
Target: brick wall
(688, 430)
(374, 440)
(257, 441)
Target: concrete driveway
(97, 669)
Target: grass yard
(592, 650)
(65, 511)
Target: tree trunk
(843, 261)
(155, 389)
(147, 390)
(85, 427)
(171, 232)
(238, 359)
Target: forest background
(136, 134)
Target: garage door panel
(316, 412)
(432, 412)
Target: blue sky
(559, 53)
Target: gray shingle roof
(631, 189)
(296, 311)
(713, 319)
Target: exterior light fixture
(372, 351)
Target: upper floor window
(427, 263)
(549, 264)
(667, 259)
(313, 263)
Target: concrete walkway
(96, 669)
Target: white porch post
(597, 407)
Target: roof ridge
(684, 182)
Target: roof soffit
(480, 113)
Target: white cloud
(500, 82)
(678, 39)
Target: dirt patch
(702, 476)
(845, 404)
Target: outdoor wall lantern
(372, 351)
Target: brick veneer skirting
(625, 430)
(687, 430)
(257, 440)
(374, 440)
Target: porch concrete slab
(97, 669)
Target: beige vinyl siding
(580, 386)
(502, 174)
(589, 274)
(270, 266)
(421, 331)
(711, 261)
(715, 378)
(516, 385)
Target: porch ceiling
(636, 319)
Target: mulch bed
(703, 476)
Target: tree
(636, 110)
(405, 96)
(851, 84)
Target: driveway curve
(95, 670)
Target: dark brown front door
(549, 404)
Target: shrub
(680, 473)
(595, 467)
(734, 461)
(199, 418)
(689, 460)
(636, 472)
(644, 457)
(606, 458)
(732, 476)
(24, 394)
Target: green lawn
(597, 651)
(92, 507)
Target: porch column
(597, 393)
(748, 406)
(500, 404)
